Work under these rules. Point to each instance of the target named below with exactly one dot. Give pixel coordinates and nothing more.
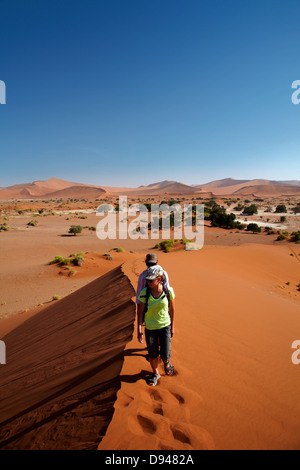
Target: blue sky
(130, 92)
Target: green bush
(253, 228)
(57, 259)
(296, 209)
(32, 223)
(250, 210)
(295, 237)
(75, 229)
(280, 208)
(77, 261)
(281, 236)
(219, 218)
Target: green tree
(280, 208)
(250, 210)
(296, 209)
(75, 229)
(253, 228)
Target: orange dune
(235, 385)
(75, 372)
(62, 368)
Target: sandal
(168, 368)
(152, 380)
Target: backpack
(148, 292)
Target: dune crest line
(63, 364)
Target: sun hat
(151, 258)
(154, 272)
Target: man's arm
(140, 287)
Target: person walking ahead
(151, 260)
(157, 311)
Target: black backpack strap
(166, 291)
(147, 295)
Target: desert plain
(74, 376)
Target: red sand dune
(268, 191)
(51, 188)
(235, 385)
(57, 188)
(63, 364)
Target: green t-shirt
(157, 315)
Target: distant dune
(269, 191)
(78, 191)
(52, 188)
(57, 188)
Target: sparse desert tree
(254, 228)
(280, 208)
(250, 210)
(296, 209)
(75, 229)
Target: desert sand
(75, 372)
(235, 386)
(69, 382)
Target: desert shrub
(239, 207)
(57, 259)
(281, 236)
(77, 261)
(295, 237)
(240, 226)
(296, 209)
(72, 273)
(118, 249)
(250, 210)
(219, 218)
(4, 227)
(165, 245)
(56, 297)
(32, 223)
(75, 229)
(280, 208)
(269, 230)
(65, 261)
(253, 228)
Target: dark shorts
(159, 342)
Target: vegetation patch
(76, 260)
